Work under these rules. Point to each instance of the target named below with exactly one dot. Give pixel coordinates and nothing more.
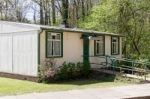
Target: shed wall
(18, 53)
(6, 52)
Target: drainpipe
(39, 46)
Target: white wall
(72, 48)
(6, 53)
(107, 51)
(25, 50)
(18, 53)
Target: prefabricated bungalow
(23, 47)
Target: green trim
(103, 46)
(39, 47)
(118, 45)
(52, 30)
(46, 48)
(86, 60)
(56, 29)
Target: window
(100, 46)
(115, 45)
(54, 44)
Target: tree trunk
(83, 9)
(6, 10)
(65, 6)
(41, 12)
(53, 12)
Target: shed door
(6, 53)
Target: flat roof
(56, 28)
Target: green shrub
(47, 71)
(69, 71)
(86, 68)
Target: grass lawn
(12, 86)
(148, 75)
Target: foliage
(46, 12)
(130, 18)
(47, 71)
(100, 18)
(86, 68)
(69, 71)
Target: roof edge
(81, 31)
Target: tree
(47, 12)
(53, 11)
(127, 17)
(65, 6)
(15, 10)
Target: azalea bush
(47, 71)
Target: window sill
(54, 57)
(115, 54)
(99, 55)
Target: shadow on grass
(92, 79)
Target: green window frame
(99, 46)
(115, 45)
(54, 44)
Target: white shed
(18, 48)
(23, 47)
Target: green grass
(13, 87)
(148, 75)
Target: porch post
(86, 63)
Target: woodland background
(130, 18)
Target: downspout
(39, 46)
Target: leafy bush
(69, 71)
(47, 71)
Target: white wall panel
(25, 59)
(18, 53)
(6, 53)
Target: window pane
(97, 47)
(53, 44)
(57, 48)
(49, 36)
(115, 45)
(100, 46)
(58, 37)
(49, 47)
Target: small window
(100, 46)
(115, 45)
(54, 44)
